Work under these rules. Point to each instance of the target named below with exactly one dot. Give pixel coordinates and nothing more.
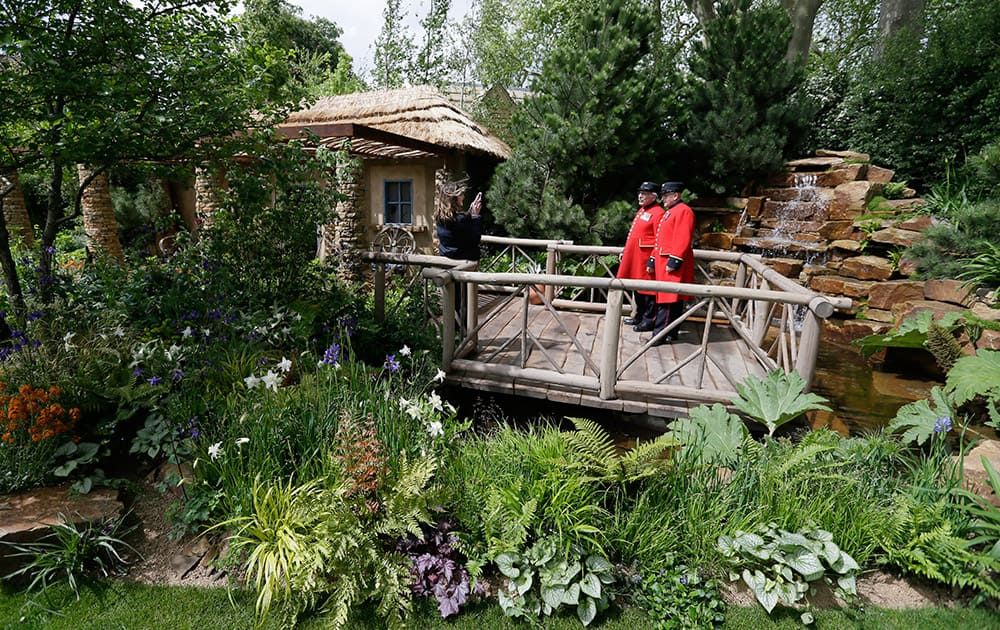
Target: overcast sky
(361, 21)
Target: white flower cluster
(430, 410)
(272, 379)
(215, 451)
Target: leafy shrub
(677, 597)
(74, 553)
(542, 579)
(778, 565)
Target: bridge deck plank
(589, 329)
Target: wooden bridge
(547, 323)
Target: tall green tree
(394, 49)
(99, 82)
(746, 106)
(430, 65)
(592, 130)
(933, 99)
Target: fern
(594, 451)
(942, 344)
(777, 399)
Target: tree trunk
(99, 215)
(803, 16)
(896, 15)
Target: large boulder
(867, 268)
(884, 294)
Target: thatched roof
(421, 113)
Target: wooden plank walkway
(548, 345)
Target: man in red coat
(673, 258)
(638, 249)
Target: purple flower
(50, 250)
(332, 355)
(391, 363)
(942, 425)
(155, 380)
(176, 375)
(137, 371)
(32, 316)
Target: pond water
(863, 398)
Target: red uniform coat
(673, 241)
(639, 244)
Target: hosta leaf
(848, 583)
(591, 586)
(586, 611)
(973, 375)
(572, 594)
(758, 585)
(806, 563)
(598, 564)
(711, 434)
(553, 595)
(505, 563)
(845, 564)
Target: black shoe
(631, 321)
(643, 327)
(661, 341)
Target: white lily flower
(435, 429)
(285, 364)
(405, 351)
(67, 340)
(251, 381)
(271, 380)
(439, 377)
(435, 401)
(242, 440)
(215, 450)
(187, 332)
(119, 332)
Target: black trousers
(666, 313)
(645, 308)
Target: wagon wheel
(394, 240)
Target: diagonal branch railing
(777, 320)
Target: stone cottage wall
(99, 221)
(15, 212)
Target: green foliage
(984, 516)
(894, 190)
(592, 129)
(711, 435)
(680, 598)
(975, 375)
(776, 400)
(311, 546)
(932, 96)
(543, 579)
(983, 269)
(919, 421)
(778, 565)
(746, 107)
(592, 450)
(926, 541)
(965, 236)
(73, 553)
(911, 333)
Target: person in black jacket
(458, 230)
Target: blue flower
(391, 363)
(176, 375)
(50, 250)
(332, 355)
(156, 380)
(32, 316)
(137, 371)
(942, 425)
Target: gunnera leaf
(974, 375)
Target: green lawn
(133, 607)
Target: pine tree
(746, 109)
(591, 132)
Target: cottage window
(399, 202)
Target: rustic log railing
(777, 320)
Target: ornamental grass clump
(34, 425)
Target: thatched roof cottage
(406, 140)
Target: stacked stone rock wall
(99, 221)
(826, 223)
(15, 212)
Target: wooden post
(805, 363)
(448, 321)
(472, 312)
(551, 268)
(379, 281)
(741, 281)
(609, 346)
